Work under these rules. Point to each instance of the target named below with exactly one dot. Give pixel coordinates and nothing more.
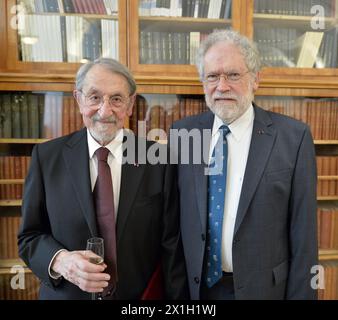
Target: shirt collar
(238, 127)
(113, 146)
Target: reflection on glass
(171, 31)
(296, 34)
(67, 31)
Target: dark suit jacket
(58, 212)
(274, 244)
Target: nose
(105, 109)
(223, 84)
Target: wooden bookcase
(169, 91)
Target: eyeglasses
(232, 77)
(94, 100)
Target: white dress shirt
(238, 141)
(115, 164)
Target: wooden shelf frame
(12, 181)
(10, 203)
(7, 264)
(328, 254)
(22, 141)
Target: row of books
(67, 39)
(211, 9)
(16, 167)
(327, 226)
(31, 284)
(327, 165)
(320, 114)
(9, 227)
(158, 47)
(104, 7)
(291, 47)
(13, 167)
(54, 114)
(330, 281)
(33, 115)
(30, 291)
(159, 112)
(292, 7)
(326, 188)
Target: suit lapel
(200, 176)
(76, 157)
(262, 141)
(131, 177)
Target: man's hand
(75, 267)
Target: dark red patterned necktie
(105, 215)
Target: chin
(226, 112)
(104, 135)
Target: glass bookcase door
(169, 32)
(67, 31)
(60, 34)
(296, 34)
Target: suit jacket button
(197, 279)
(203, 237)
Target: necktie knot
(224, 130)
(102, 154)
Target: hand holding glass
(96, 246)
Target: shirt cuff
(54, 275)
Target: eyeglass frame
(102, 100)
(225, 76)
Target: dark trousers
(222, 290)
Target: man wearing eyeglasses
(248, 228)
(83, 185)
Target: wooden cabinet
(157, 41)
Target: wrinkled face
(105, 103)
(227, 98)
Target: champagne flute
(96, 245)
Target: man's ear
(131, 105)
(256, 81)
(76, 95)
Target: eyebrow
(228, 71)
(96, 91)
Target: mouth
(105, 121)
(225, 99)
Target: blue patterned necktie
(216, 194)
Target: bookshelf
(167, 91)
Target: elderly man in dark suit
(132, 204)
(249, 229)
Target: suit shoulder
(57, 143)
(285, 122)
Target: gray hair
(109, 64)
(246, 47)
